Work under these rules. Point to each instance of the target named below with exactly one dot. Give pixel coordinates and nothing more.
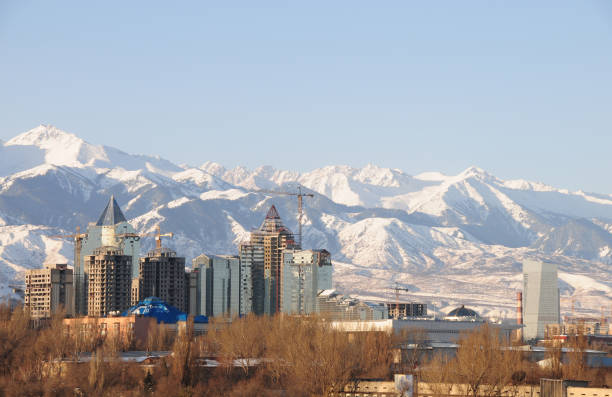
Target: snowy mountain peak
(378, 176)
(213, 168)
(458, 237)
(474, 171)
(45, 137)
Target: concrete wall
(588, 392)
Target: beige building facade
(49, 290)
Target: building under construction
(405, 310)
(261, 262)
(110, 278)
(162, 274)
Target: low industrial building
(580, 326)
(127, 330)
(135, 324)
(435, 330)
(546, 388)
(336, 307)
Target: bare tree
(576, 367)
(438, 373)
(484, 363)
(411, 343)
(553, 360)
(242, 342)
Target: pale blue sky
(519, 88)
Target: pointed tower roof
(273, 223)
(272, 213)
(112, 214)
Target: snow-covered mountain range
(449, 239)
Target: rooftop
(112, 214)
(161, 311)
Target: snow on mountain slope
(450, 239)
(28, 247)
(47, 144)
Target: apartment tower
(162, 275)
(109, 281)
(49, 290)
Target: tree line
(254, 356)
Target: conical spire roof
(112, 214)
(272, 213)
(273, 222)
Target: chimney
(519, 315)
(519, 307)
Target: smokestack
(519, 315)
(519, 308)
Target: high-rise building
(109, 281)
(191, 290)
(218, 285)
(263, 256)
(162, 275)
(111, 229)
(540, 298)
(304, 274)
(49, 290)
(251, 277)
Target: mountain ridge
(468, 231)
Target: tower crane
(299, 196)
(397, 290)
(78, 238)
(158, 236)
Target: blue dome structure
(161, 311)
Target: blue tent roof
(163, 312)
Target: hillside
(451, 239)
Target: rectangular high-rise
(191, 289)
(251, 278)
(109, 281)
(540, 298)
(162, 275)
(49, 290)
(218, 285)
(304, 274)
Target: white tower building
(304, 274)
(218, 285)
(540, 298)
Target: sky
(522, 89)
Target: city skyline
(414, 87)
